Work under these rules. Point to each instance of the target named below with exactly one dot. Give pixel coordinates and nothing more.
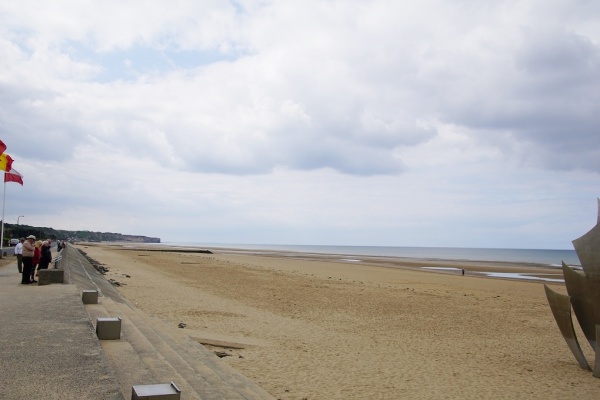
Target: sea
(548, 257)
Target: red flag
(2, 147)
(13, 176)
(5, 162)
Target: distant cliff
(17, 231)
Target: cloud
(538, 102)
(234, 116)
(307, 95)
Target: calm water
(547, 257)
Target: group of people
(32, 255)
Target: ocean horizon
(547, 257)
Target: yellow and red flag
(13, 176)
(2, 147)
(5, 162)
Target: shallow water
(546, 257)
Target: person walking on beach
(46, 255)
(19, 255)
(28, 251)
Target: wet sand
(331, 327)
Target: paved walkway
(48, 346)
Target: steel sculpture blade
(560, 305)
(597, 360)
(583, 295)
(587, 248)
(584, 300)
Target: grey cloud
(310, 153)
(557, 54)
(32, 125)
(545, 98)
(343, 145)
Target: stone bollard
(108, 328)
(48, 276)
(89, 297)
(164, 391)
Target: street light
(19, 217)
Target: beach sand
(314, 327)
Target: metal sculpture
(583, 296)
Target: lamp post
(19, 217)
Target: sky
(457, 123)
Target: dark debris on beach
(169, 250)
(96, 264)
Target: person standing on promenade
(49, 251)
(46, 255)
(28, 251)
(19, 255)
(37, 254)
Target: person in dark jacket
(46, 257)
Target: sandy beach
(311, 327)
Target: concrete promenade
(48, 344)
(49, 348)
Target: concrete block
(89, 297)
(48, 276)
(164, 391)
(108, 328)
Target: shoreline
(544, 257)
(508, 270)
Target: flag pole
(3, 204)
